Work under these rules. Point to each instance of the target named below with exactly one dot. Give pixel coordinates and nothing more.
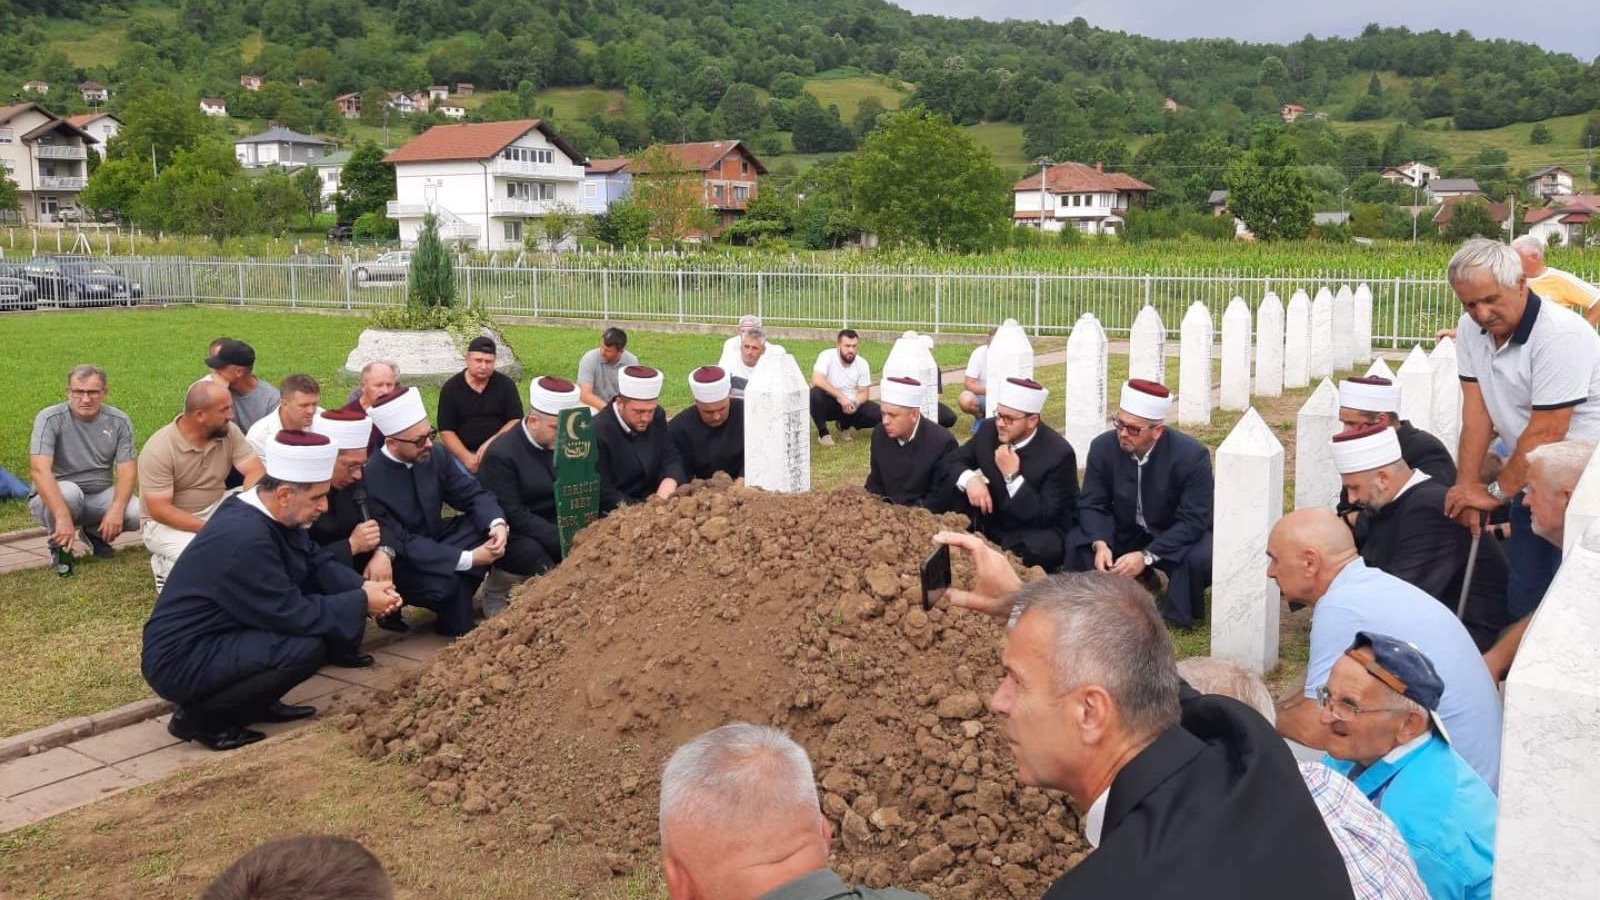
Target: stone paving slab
(418, 648)
(28, 549)
(23, 775)
(125, 743)
(75, 792)
(161, 763)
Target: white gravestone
(1088, 354)
(1363, 301)
(1344, 328)
(1316, 481)
(911, 358)
(1147, 347)
(1380, 369)
(1249, 501)
(1583, 507)
(1297, 341)
(1547, 838)
(1236, 355)
(1446, 403)
(1416, 389)
(1269, 346)
(777, 425)
(1194, 366)
(1010, 356)
(1322, 361)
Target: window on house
(547, 191)
(744, 167)
(7, 136)
(716, 192)
(514, 231)
(590, 190)
(741, 192)
(511, 190)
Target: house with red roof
(605, 181)
(486, 182)
(104, 127)
(1074, 195)
(1567, 221)
(46, 157)
(728, 171)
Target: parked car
(79, 281)
(341, 233)
(16, 292)
(392, 266)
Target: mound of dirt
(722, 603)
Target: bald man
(1312, 557)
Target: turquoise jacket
(1443, 809)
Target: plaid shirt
(1375, 855)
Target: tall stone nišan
(1194, 366)
(1583, 507)
(1344, 328)
(911, 358)
(1316, 481)
(1249, 501)
(1363, 302)
(1548, 831)
(1380, 369)
(1147, 347)
(1446, 404)
(777, 425)
(1088, 354)
(1416, 389)
(1010, 356)
(1269, 346)
(1236, 355)
(1297, 341)
(1322, 361)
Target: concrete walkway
(44, 777)
(27, 549)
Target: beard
(218, 433)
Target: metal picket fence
(1406, 308)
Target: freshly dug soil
(721, 604)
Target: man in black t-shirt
(476, 406)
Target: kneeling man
(908, 451)
(637, 455)
(252, 610)
(1146, 504)
(710, 435)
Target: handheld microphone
(359, 495)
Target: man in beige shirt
(183, 471)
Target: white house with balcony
(1551, 182)
(487, 182)
(279, 146)
(104, 127)
(1078, 196)
(46, 157)
(215, 107)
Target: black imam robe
(632, 465)
(1035, 523)
(522, 478)
(705, 451)
(245, 596)
(1413, 540)
(1214, 809)
(913, 474)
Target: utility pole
(1044, 163)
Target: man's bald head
(1306, 550)
(202, 395)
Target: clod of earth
(723, 603)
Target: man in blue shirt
(1380, 711)
(1312, 556)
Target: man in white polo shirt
(1530, 373)
(839, 383)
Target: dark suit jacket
(1178, 493)
(632, 465)
(1423, 451)
(331, 531)
(1041, 515)
(522, 478)
(1215, 809)
(409, 505)
(914, 474)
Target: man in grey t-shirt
(233, 363)
(598, 369)
(83, 466)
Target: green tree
(867, 113)
(554, 228)
(1374, 86)
(432, 284)
(278, 202)
(1366, 220)
(1471, 218)
(157, 122)
(818, 130)
(921, 180)
(673, 195)
(308, 185)
(624, 224)
(786, 86)
(203, 192)
(1268, 189)
(739, 112)
(9, 202)
(116, 186)
(1540, 135)
(365, 184)
(374, 226)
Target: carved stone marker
(1236, 355)
(1322, 361)
(1088, 354)
(1363, 301)
(1194, 366)
(1010, 356)
(1249, 501)
(1344, 328)
(577, 482)
(1269, 346)
(911, 358)
(1380, 368)
(1147, 347)
(1297, 341)
(1316, 481)
(777, 425)
(1446, 405)
(1416, 389)
(1583, 507)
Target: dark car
(16, 292)
(341, 233)
(80, 281)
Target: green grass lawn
(1563, 148)
(1004, 140)
(847, 88)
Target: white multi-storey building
(1076, 196)
(46, 157)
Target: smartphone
(935, 576)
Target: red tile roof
(1447, 206)
(479, 140)
(701, 156)
(87, 118)
(1077, 178)
(607, 166)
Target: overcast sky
(1571, 26)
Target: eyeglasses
(1122, 427)
(1010, 419)
(1344, 710)
(77, 393)
(420, 442)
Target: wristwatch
(1493, 488)
(1014, 476)
(387, 550)
(1149, 558)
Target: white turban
(710, 384)
(550, 395)
(639, 383)
(1022, 394)
(301, 457)
(348, 430)
(902, 391)
(1145, 399)
(398, 411)
(1365, 449)
(1370, 393)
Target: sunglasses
(1122, 427)
(420, 442)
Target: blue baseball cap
(1401, 667)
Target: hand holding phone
(935, 576)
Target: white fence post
(536, 291)
(680, 296)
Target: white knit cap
(347, 429)
(902, 391)
(1370, 393)
(398, 411)
(748, 322)
(550, 395)
(1022, 394)
(1364, 449)
(639, 383)
(710, 384)
(301, 457)
(1145, 399)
